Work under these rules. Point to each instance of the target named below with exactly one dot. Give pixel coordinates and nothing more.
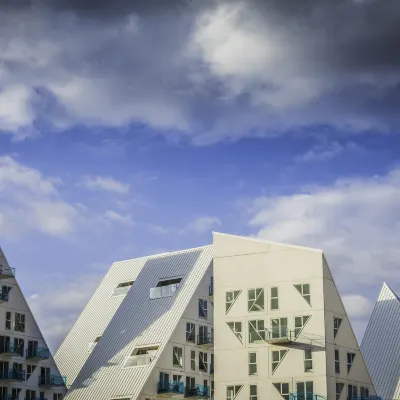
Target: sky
(131, 128)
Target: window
(300, 323)
(190, 332)
(233, 391)
(93, 344)
(236, 328)
(308, 364)
(122, 288)
(41, 396)
(337, 362)
(279, 327)
(339, 389)
(212, 390)
(253, 392)
(165, 288)
(256, 331)
(8, 320)
(203, 361)
(304, 290)
(230, 298)
(351, 392)
(4, 366)
(203, 312)
(350, 359)
(29, 370)
(364, 392)
(19, 346)
(274, 298)
(305, 390)
(19, 322)
(4, 344)
(255, 300)
(18, 371)
(15, 393)
(57, 396)
(177, 357)
(277, 357)
(252, 363)
(283, 389)
(141, 356)
(336, 325)
(30, 395)
(190, 382)
(193, 360)
(3, 391)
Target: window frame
(8, 321)
(253, 396)
(191, 332)
(350, 364)
(203, 361)
(340, 391)
(274, 298)
(21, 322)
(238, 334)
(203, 305)
(298, 329)
(336, 325)
(252, 363)
(337, 361)
(285, 395)
(257, 295)
(235, 391)
(301, 291)
(193, 360)
(257, 330)
(229, 303)
(308, 360)
(275, 363)
(175, 354)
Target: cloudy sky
(129, 128)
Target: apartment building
(27, 369)
(381, 344)
(241, 319)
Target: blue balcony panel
(170, 387)
(52, 380)
(198, 392)
(37, 354)
(11, 351)
(12, 375)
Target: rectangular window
(203, 309)
(141, 356)
(165, 288)
(190, 332)
(8, 320)
(15, 393)
(30, 395)
(3, 391)
(57, 396)
(253, 392)
(252, 363)
(274, 298)
(337, 362)
(177, 360)
(308, 364)
(4, 344)
(190, 382)
(339, 390)
(41, 396)
(203, 361)
(19, 322)
(256, 331)
(279, 327)
(336, 325)
(230, 298)
(300, 323)
(255, 300)
(233, 391)
(212, 390)
(277, 357)
(350, 359)
(351, 392)
(283, 389)
(193, 360)
(305, 390)
(364, 392)
(29, 370)
(19, 345)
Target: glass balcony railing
(37, 354)
(280, 335)
(163, 291)
(52, 380)
(6, 272)
(170, 387)
(198, 391)
(12, 350)
(207, 339)
(138, 360)
(12, 375)
(119, 291)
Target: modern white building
(268, 314)
(27, 369)
(381, 344)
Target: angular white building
(269, 314)
(381, 344)
(27, 369)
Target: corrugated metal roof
(381, 344)
(136, 321)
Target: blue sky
(141, 130)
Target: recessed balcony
(206, 340)
(6, 272)
(37, 354)
(52, 381)
(12, 375)
(197, 392)
(170, 389)
(10, 350)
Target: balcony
(198, 392)
(139, 360)
(52, 380)
(281, 336)
(170, 388)
(211, 289)
(163, 291)
(37, 354)
(11, 350)
(6, 272)
(206, 340)
(13, 375)
(306, 396)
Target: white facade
(280, 328)
(381, 344)
(27, 369)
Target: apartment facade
(27, 369)
(241, 319)
(381, 344)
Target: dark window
(350, 359)
(190, 332)
(337, 362)
(8, 320)
(203, 309)
(19, 322)
(351, 392)
(19, 346)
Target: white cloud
(113, 216)
(327, 151)
(357, 306)
(106, 183)
(204, 224)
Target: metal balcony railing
(207, 339)
(163, 291)
(12, 350)
(282, 335)
(307, 396)
(12, 375)
(38, 354)
(170, 387)
(197, 391)
(52, 380)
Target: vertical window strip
(274, 299)
(253, 392)
(308, 362)
(256, 300)
(252, 363)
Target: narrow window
(304, 290)
(57, 396)
(177, 357)
(305, 390)
(350, 359)
(203, 361)
(18, 372)
(339, 389)
(19, 322)
(279, 327)
(193, 360)
(351, 392)
(8, 320)
(252, 363)
(203, 311)
(236, 328)
(14, 393)
(230, 298)
(122, 288)
(283, 389)
(253, 392)
(256, 331)
(337, 362)
(190, 383)
(300, 323)
(256, 300)
(274, 298)
(3, 391)
(30, 395)
(41, 396)
(212, 390)
(141, 356)
(336, 325)
(308, 363)
(277, 357)
(19, 345)
(233, 391)
(364, 392)
(29, 370)
(190, 332)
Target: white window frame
(235, 389)
(274, 298)
(9, 320)
(177, 354)
(350, 364)
(191, 332)
(203, 305)
(21, 318)
(193, 360)
(301, 291)
(308, 360)
(238, 333)
(298, 329)
(285, 395)
(336, 325)
(275, 363)
(253, 363)
(260, 331)
(252, 301)
(282, 330)
(340, 386)
(230, 301)
(337, 361)
(253, 396)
